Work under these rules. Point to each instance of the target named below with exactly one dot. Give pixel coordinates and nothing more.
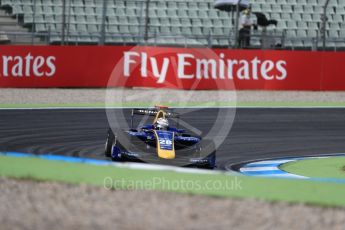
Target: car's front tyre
(115, 152)
(109, 143)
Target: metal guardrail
(280, 41)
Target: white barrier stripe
(288, 175)
(272, 162)
(255, 169)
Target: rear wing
(153, 112)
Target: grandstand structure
(173, 22)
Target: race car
(160, 142)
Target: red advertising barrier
(124, 66)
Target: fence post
(63, 22)
(237, 22)
(33, 28)
(156, 37)
(317, 39)
(49, 34)
(147, 18)
(104, 17)
(283, 39)
(209, 39)
(324, 20)
(69, 20)
(141, 21)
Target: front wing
(202, 157)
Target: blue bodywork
(149, 135)
(165, 139)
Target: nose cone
(166, 154)
(165, 144)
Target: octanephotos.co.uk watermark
(162, 183)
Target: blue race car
(160, 143)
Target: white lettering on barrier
(207, 68)
(18, 66)
(182, 63)
(51, 65)
(266, 67)
(128, 61)
(161, 75)
(204, 67)
(281, 66)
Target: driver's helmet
(162, 124)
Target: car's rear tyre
(109, 143)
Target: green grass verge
(189, 104)
(318, 168)
(221, 185)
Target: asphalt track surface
(257, 133)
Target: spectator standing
(247, 20)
